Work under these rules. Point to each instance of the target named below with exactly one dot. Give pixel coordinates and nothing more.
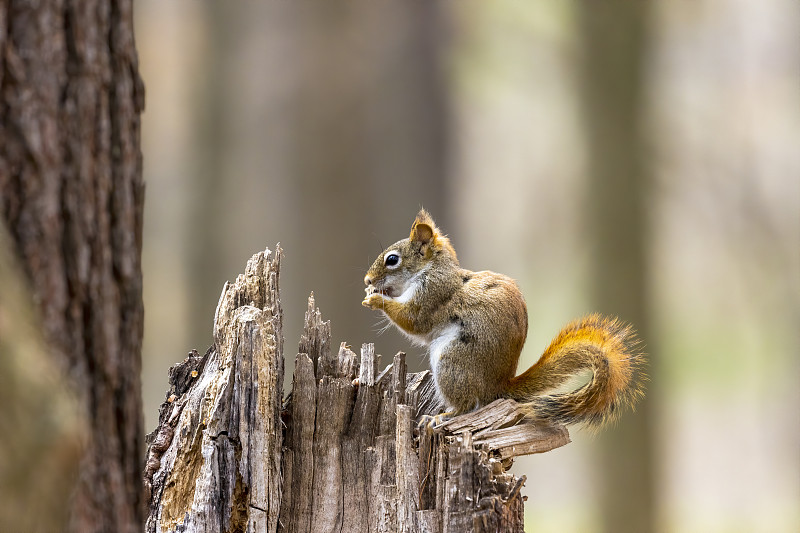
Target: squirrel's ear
(423, 230)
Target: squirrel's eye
(391, 260)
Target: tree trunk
(341, 453)
(614, 38)
(71, 194)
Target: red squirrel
(474, 325)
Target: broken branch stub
(341, 453)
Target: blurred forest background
(633, 158)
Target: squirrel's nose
(367, 280)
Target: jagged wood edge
(214, 460)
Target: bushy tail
(606, 347)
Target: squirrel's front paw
(373, 301)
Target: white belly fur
(439, 344)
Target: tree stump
(342, 452)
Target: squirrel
(474, 325)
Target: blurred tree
(327, 137)
(71, 194)
(206, 223)
(369, 145)
(41, 422)
(614, 39)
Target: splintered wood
(342, 453)
(214, 462)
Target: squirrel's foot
(430, 423)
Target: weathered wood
(502, 430)
(218, 444)
(351, 456)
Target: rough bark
(71, 194)
(342, 453)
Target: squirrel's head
(403, 263)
